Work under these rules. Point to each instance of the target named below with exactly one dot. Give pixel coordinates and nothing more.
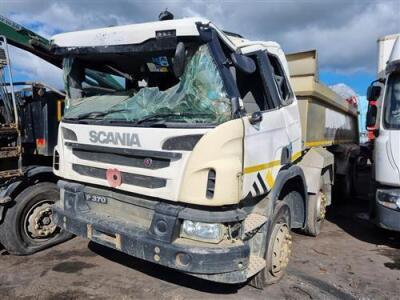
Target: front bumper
(388, 213)
(223, 262)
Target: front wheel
(278, 248)
(28, 224)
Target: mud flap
(1, 213)
(4, 200)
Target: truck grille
(128, 178)
(124, 160)
(125, 157)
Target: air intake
(210, 184)
(56, 160)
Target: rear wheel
(28, 224)
(278, 250)
(316, 210)
(344, 184)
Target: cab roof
(127, 34)
(142, 32)
(139, 33)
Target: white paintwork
(127, 34)
(387, 144)
(387, 157)
(139, 33)
(394, 137)
(150, 139)
(387, 153)
(395, 54)
(263, 143)
(385, 46)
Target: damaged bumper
(153, 233)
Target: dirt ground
(351, 259)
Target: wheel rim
(281, 249)
(38, 221)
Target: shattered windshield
(392, 102)
(151, 92)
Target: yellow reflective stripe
(318, 143)
(261, 167)
(325, 143)
(59, 109)
(271, 164)
(296, 155)
(270, 179)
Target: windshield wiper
(160, 115)
(96, 114)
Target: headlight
(389, 198)
(208, 232)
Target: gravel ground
(351, 259)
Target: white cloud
(350, 46)
(343, 32)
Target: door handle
(286, 155)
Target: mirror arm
(237, 111)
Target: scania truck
(212, 152)
(383, 121)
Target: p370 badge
(96, 199)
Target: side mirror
(256, 117)
(373, 92)
(179, 60)
(243, 63)
(371, 115)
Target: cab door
(266, 140)
(288, 104)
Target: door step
(253, 222)
(256, 264)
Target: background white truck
(205, 159)
(383, 121)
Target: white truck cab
(386, 119)
(194, 158)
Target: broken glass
(199, 96)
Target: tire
(316, 211)
(278, 248)
(342, 188)
(344, 185)
(20, 233)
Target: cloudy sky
(343, 31)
